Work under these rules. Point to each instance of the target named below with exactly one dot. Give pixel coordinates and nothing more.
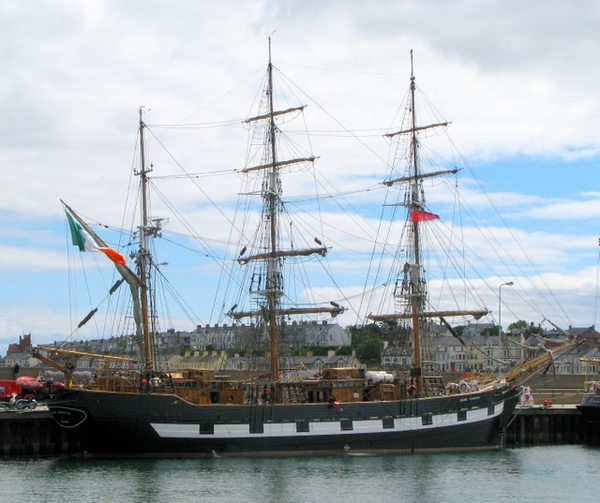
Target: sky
(518, 81)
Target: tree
(366, 341)
(459, 329)
(524, 328)
(488, 331)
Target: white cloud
(516, 79)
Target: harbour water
(549, 474)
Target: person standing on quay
(16, 369)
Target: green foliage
(389, 325)
(522, 327)
(486, 332)
(460, 329)
(517, 326)
(319, 350)
(296, 351)
(344, 351)
(366, 341)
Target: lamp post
(510, 283)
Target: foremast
(270, 289)
(411, 289)
(143, 257)
(139, 281)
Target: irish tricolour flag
(86, 241)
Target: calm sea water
(549, 474)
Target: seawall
(33, 433)
(550, 426)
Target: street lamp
(510, 283)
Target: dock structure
(557, 424)
(34, 433)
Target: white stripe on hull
(322, 428)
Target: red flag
(421, 216)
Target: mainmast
(271, 199)
(143, 255)
(270, 254)
(412, 289)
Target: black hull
(155, 425)
(590, 412)
(590, 407)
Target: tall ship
(343, 410)
(590, 401)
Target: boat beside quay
(36, 434)
(282, 412)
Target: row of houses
(301, 334)
(476, 353)
(222, 337)
(304, 366)
(181, 350)
(178, 350)
(219, 337)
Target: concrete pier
(33, 433)
(559, 424)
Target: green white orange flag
(88, 243)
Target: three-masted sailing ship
(202, 413)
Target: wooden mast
(416, 279)
(413, 290)
(269, 254)
(143, 257)
(139, 282)
(273, 276)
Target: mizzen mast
(411, 288)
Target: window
(256, 427)
(388, 422)
(302, 426)
(346, 425)
(207, 428)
